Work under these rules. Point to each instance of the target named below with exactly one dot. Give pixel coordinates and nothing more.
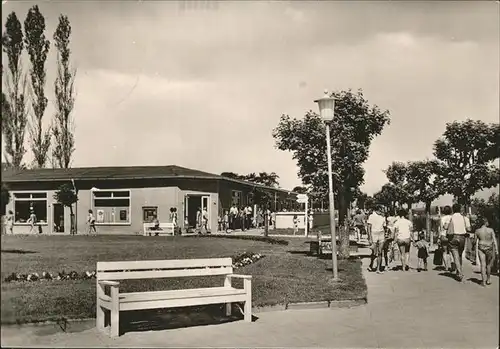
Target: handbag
(438, 257)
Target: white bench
(109, 272)
(164, 229)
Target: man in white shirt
(402, 234)
(459, 226)
(376, 231)
(233, 213)
(248, 213)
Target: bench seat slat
(158, 264)
(177, 294)
(159, 274)
(180, 299)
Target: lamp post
(326, 105)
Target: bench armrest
(109, 283)
(246, 277)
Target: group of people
(394, 235)
(31, 221)
(243, 218)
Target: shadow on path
(18, 251)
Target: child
(91, 222)
(423, 251)
(295, 225)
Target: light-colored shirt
(445, 220)
(233, 210)
(403, 228)
(377, 223)
(460, 224)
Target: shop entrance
(192, 204)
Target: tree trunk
(343, 252)
(72, 220)
(410, 213)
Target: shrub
(268, 240)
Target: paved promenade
(404, 310)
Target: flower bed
(267, 239)
(239, 261)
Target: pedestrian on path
(403, 232)
(9, 222)
(444, 239)
(423, 251)
(459, 227)
(376, 231)
(91, 223)
(487, 249)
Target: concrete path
(404, 310)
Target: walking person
(9, 222)
(402, 234)
(32, 221)
(423, 251)
(487, 249)
(388, 240)
(91, 223)
(376, 225)
(243, 218)
(225, 221)
(459, 227)
(444, 239)
(233, 214)
(359, 223)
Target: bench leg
(100, 318)
(114, 330)
(227, 283)
(248, 311)
(248, 301)
(228, 309)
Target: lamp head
(326, 107)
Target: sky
(202, 84)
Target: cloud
(203, 86)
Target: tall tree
(360, 198)
(423, 186)
(466, 153)
(38, 48)
(63, 128)
(300, 190)
(387, 197)
(14, 118)
(231, 175)
(396, 173)
(263, 199)
(66, 196)
(353, 128)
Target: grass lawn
(286, 274)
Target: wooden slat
(158, 274)
(183, 302)
(178, 294)
(164, 264)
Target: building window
(111, 206)
(25, 203)
(149, 213)
(236, 198)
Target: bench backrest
(162, 225)
(163, 268)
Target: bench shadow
(18, 251)
(169, 319)
(439, 268)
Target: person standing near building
(295, 225)
(204, 222)
(248, 214)
(32, 220)
(9, 222)
(459, 227)
(233, 214)
(91, 223)
(360, 223)
(376, 226)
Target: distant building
(123, 198)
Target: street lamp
(326, 106)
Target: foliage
(397, 175)
(422, 184)
(490, 209)
(65, 195)
(63, 128)
(353, 128)
(300, 190)
(38, 47)
(360, 197)
(5, 198)
(465, 154)
(264, 178)
(387, 196)
(14, 118)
